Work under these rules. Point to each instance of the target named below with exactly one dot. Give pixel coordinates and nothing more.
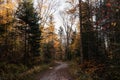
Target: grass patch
(20, 71)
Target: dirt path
(59, 72)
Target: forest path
(59, 72)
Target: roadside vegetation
(84, 33)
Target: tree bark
(80, 19)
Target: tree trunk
(80, 19)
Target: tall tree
(68, 22)
(45, 9)
(28, 14)
(6, 21)
(60, 32)
(49, 39)
(80, 20)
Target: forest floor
(58, 72)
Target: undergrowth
(91, 70)
(20, 71)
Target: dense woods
(88, 36)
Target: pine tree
(27, 13)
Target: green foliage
(27, 13)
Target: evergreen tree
(27, 13)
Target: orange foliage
(6, 12)
(92, 66)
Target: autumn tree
(49, 40)
(68, 21)
(105, 13)
(112, 30)
(45, 9)
(6, 22)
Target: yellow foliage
(48, 35)
(6, 12)
(56, 44)
(75, 45)
(113, 23)
(71, 11)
